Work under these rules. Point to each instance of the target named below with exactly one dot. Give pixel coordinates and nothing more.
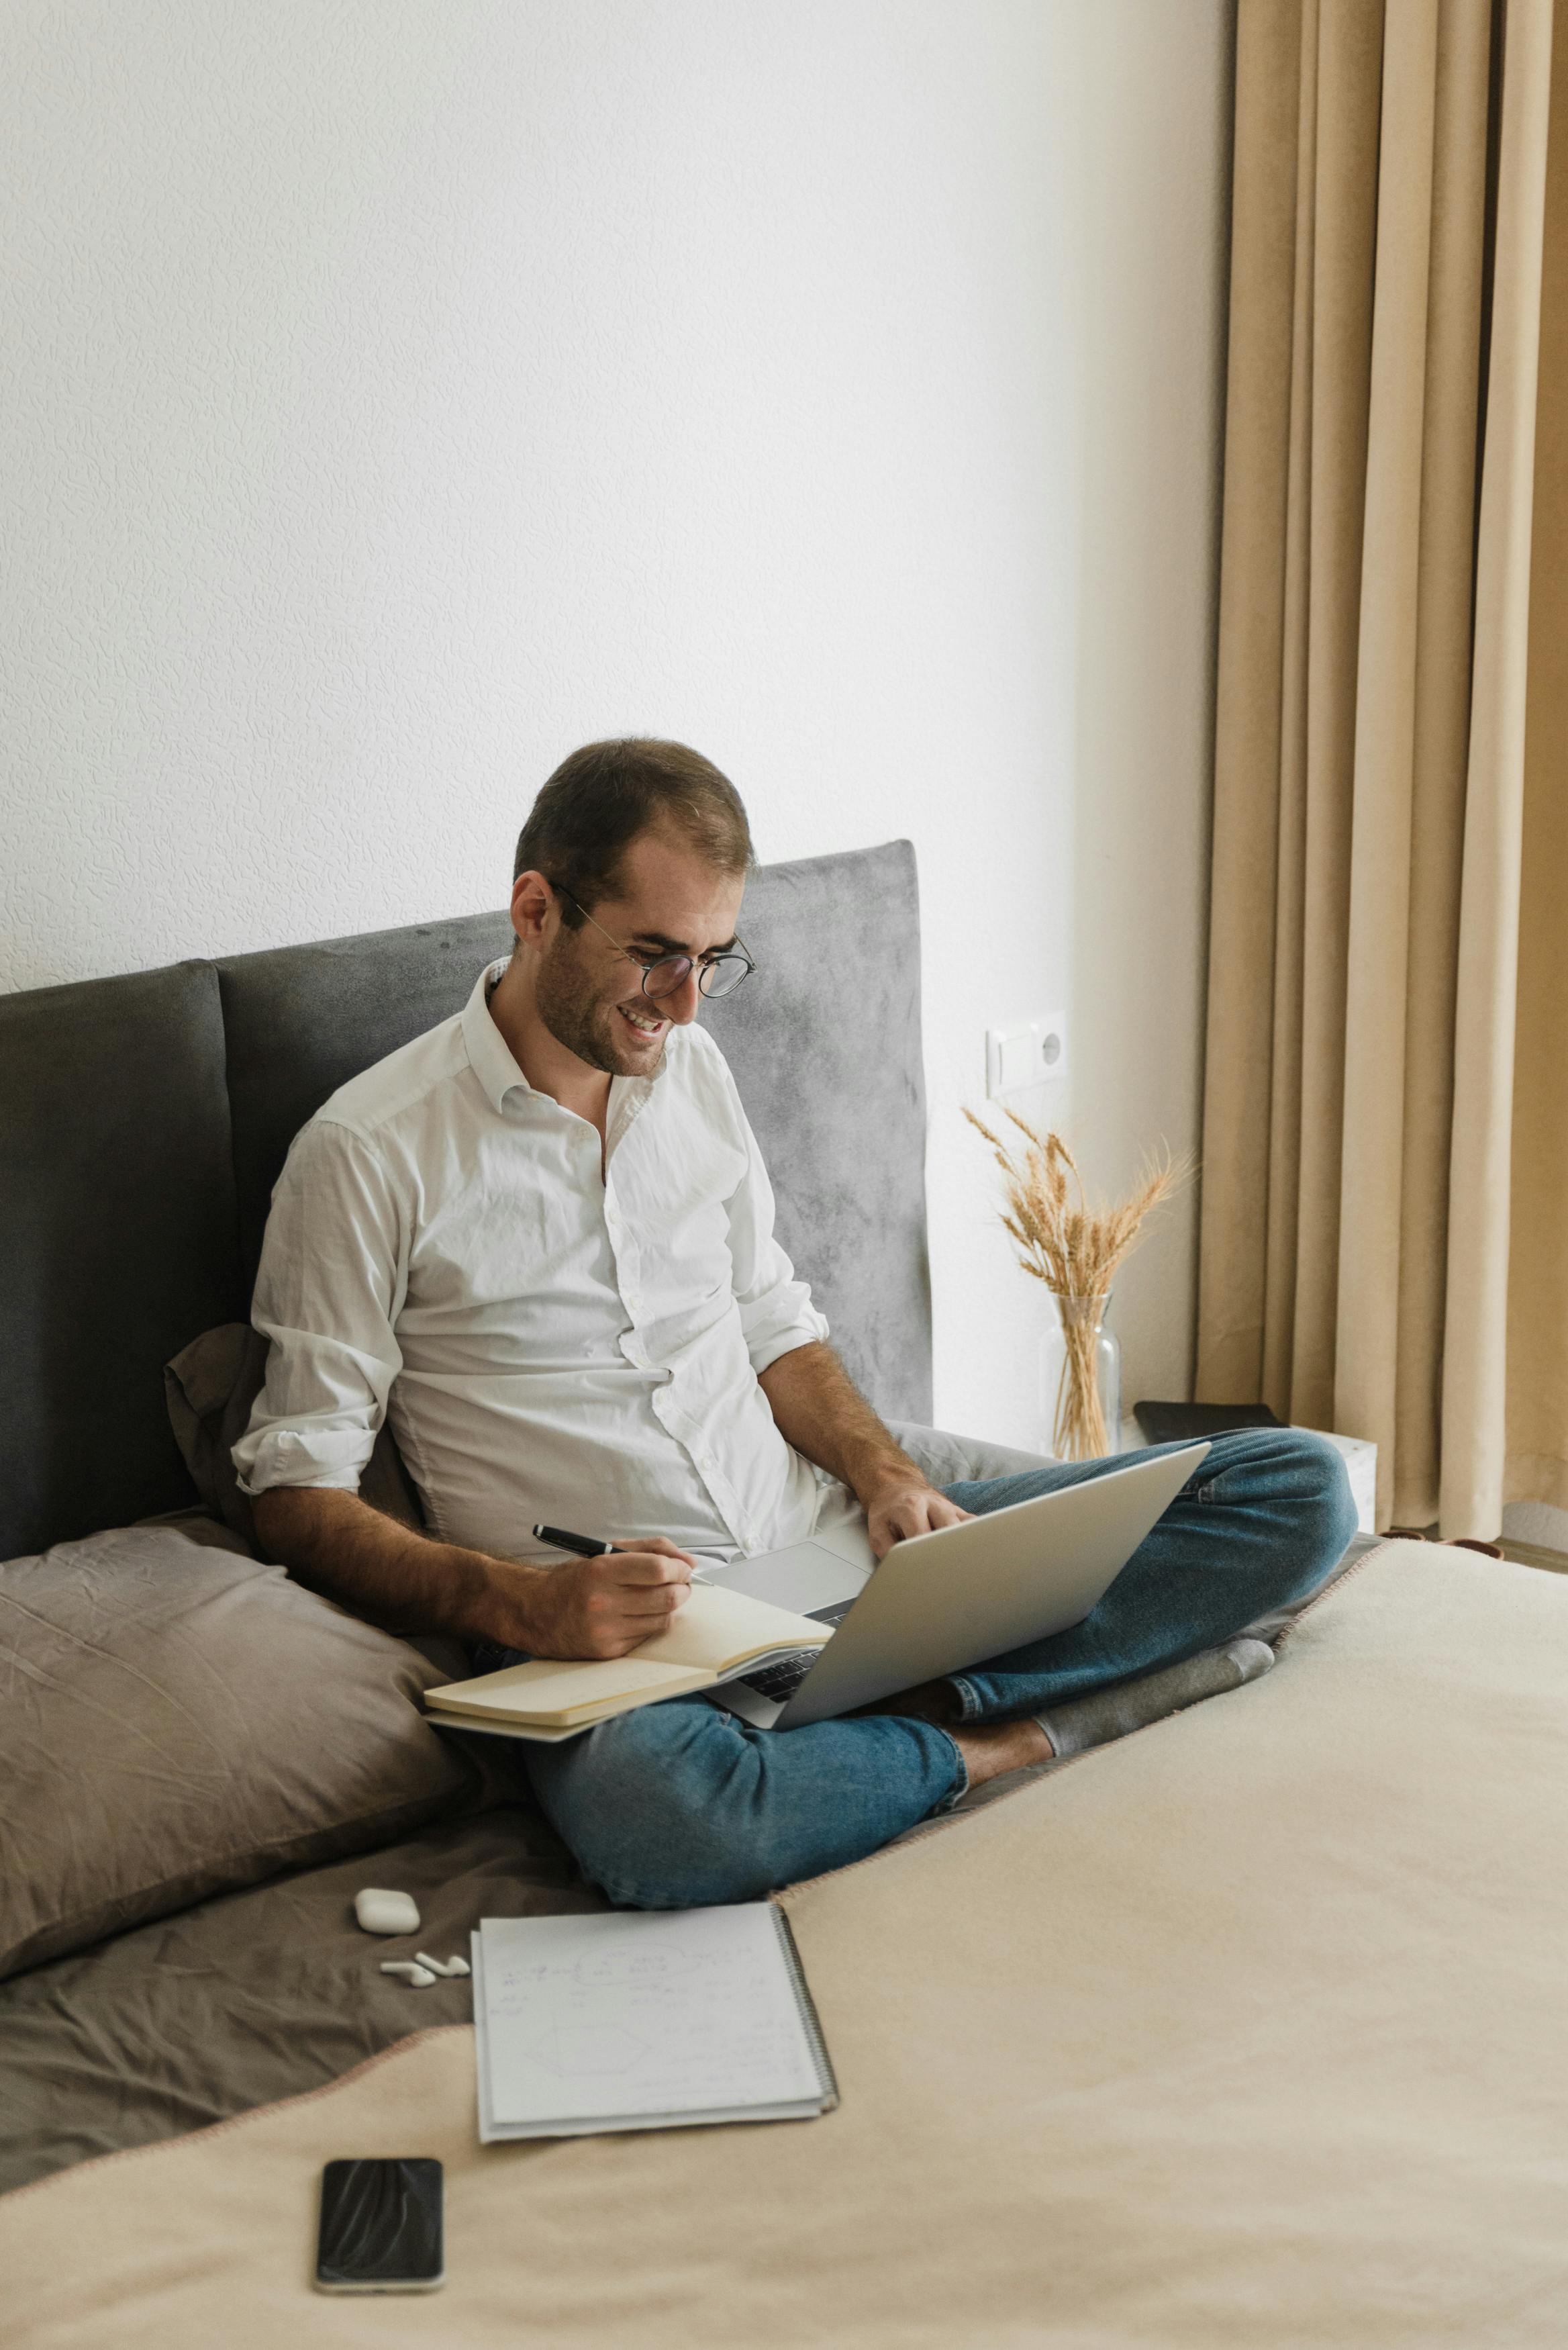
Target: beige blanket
(1247, 2030)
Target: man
(540, 1237)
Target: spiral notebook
(644, 2020)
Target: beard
(581, 1021)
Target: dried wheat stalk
(1075, 1250)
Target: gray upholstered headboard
(143, 1121)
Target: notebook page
(639, 2012)
(717, 1627)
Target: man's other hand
(599, 1608)
(895, 1511)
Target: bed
(1242, 2029)
(1245, 2029)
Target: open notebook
(718, 1633)
(644, 2019)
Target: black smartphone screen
(380, 2225)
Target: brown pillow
(176, 1719)
(209, 1387)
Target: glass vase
(1080, 1380)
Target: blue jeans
(681, 1804)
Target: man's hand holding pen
(610, 1600)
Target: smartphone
(380, 2227)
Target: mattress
(1245, 2029)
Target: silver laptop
(943, 1601)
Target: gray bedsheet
(255, 1995)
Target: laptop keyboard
(782, 1676)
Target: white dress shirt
(557, 1335)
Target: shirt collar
(498, 1073)
(488, 1058)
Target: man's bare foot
(990, 1749)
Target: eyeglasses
(718, 974)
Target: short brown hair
(598, 801)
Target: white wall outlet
(1051, 1042)
(1026, 1053)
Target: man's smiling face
(669, 900)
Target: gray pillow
(209, 1387)
(177, 1719)
(947, 1460)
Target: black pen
(586, 1545)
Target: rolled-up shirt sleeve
(776, 1312)
(329, 1289)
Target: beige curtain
(1385, 304)
(1538, 1257)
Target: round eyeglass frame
(707, 967)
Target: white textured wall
(399, 393)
